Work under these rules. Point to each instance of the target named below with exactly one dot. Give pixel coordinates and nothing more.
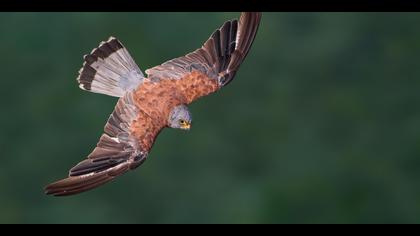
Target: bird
(149, 104)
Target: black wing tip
(75, 185)
(247, 28)
(57, 189)
(249, 23)
(254, 15)
(53, 190)
(81, 183)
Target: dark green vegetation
(321, 124)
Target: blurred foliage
(321, 124)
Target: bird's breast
(158, 98)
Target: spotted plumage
(149, 104)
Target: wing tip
(53, 190)
(74, 185)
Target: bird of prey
(147, 104)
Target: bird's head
(180, 118)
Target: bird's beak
(187, 126)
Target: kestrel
(149, 104)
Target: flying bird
(148, 104)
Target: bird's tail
(109, 69)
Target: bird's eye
(182, 122)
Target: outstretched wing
(218, 59)
(129, 135)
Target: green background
(320, 125)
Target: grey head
(180, 118)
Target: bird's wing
(218, 59)
(129, 135)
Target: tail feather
(109, 69)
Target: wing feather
(117, 152)
(121, 148)
(220, 56)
